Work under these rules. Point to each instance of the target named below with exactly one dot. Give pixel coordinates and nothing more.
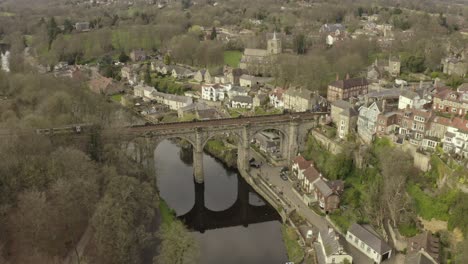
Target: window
(356, 240)
(362, 245)
(441, 106)
(368, 249)
(350, 236)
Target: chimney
(330, 230)
(420, 84)
(337, 77)
(347, 76)
(384, 104)
(401, 86)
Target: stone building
(344, 115)
(455, 66)
(346, 89)
(300, 99)
(260, 61)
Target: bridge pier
(198, 158)
(292, 141)
(244, 150)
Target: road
(271, 174)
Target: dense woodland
(52, 192)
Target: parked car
(284, 169)
(284, 176)
(255, 164)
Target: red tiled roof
(350, 83)
(302, 162)
(311, 174)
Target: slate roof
(426, 241)
(311, 174)
(242, 99)
(256, 52)
(323, 188)
(330, 243)
(409, 94)
(419, 258)
(350, 83)
(370, 238)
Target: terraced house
(452, 102)
(346, 89)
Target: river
(233, 229)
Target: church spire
(274, 35)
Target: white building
(329, 250)
(276, 98)
(236, 91)
(175, 102)
(456, 138)
(213, 92)
(368, 242)
(5, 61)
(241, 102)
(143, 91)
(412, 99)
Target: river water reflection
(231, 222)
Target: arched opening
(174, 173)
(269, 145)
(220, 174)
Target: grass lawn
(167, 214)
(232, 58)
(116, 97)
(290, 237)
(7, 14)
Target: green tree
(178, 245)
(299, 44)
(121, 221)
(213, 34)
(68, 26)
(52, 30)
(123, 57)
(148, 75)
(167, 59)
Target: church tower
(274, 45)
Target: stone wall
(331, 145)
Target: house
(367, 120)
(260, 99)
(268, 142)
(455, 66)
(143, 91)
(203, 76)
(300, 99)
(452, 102)
(174, 102)
(128, 73)
(364, 238)
(424, 243)
(299, 165)
(328, 248)
(191, 109)
(5, 57)
(82, 26)
(327, 193)
(181, 72)
(213, 92)
(308, 178)
(420, 257)
(276, 98)
(236, 91)
(456, 138)
(345, 116)
(246, 80)
(413, 99)
(391, 66)
(138, 55)
(333, 32)
(259, 61)
(241, 101)
(232, 75)
(346, 89)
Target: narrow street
(271, 174)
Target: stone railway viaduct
(293, 129)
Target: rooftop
(368, 235)
(350, 83)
